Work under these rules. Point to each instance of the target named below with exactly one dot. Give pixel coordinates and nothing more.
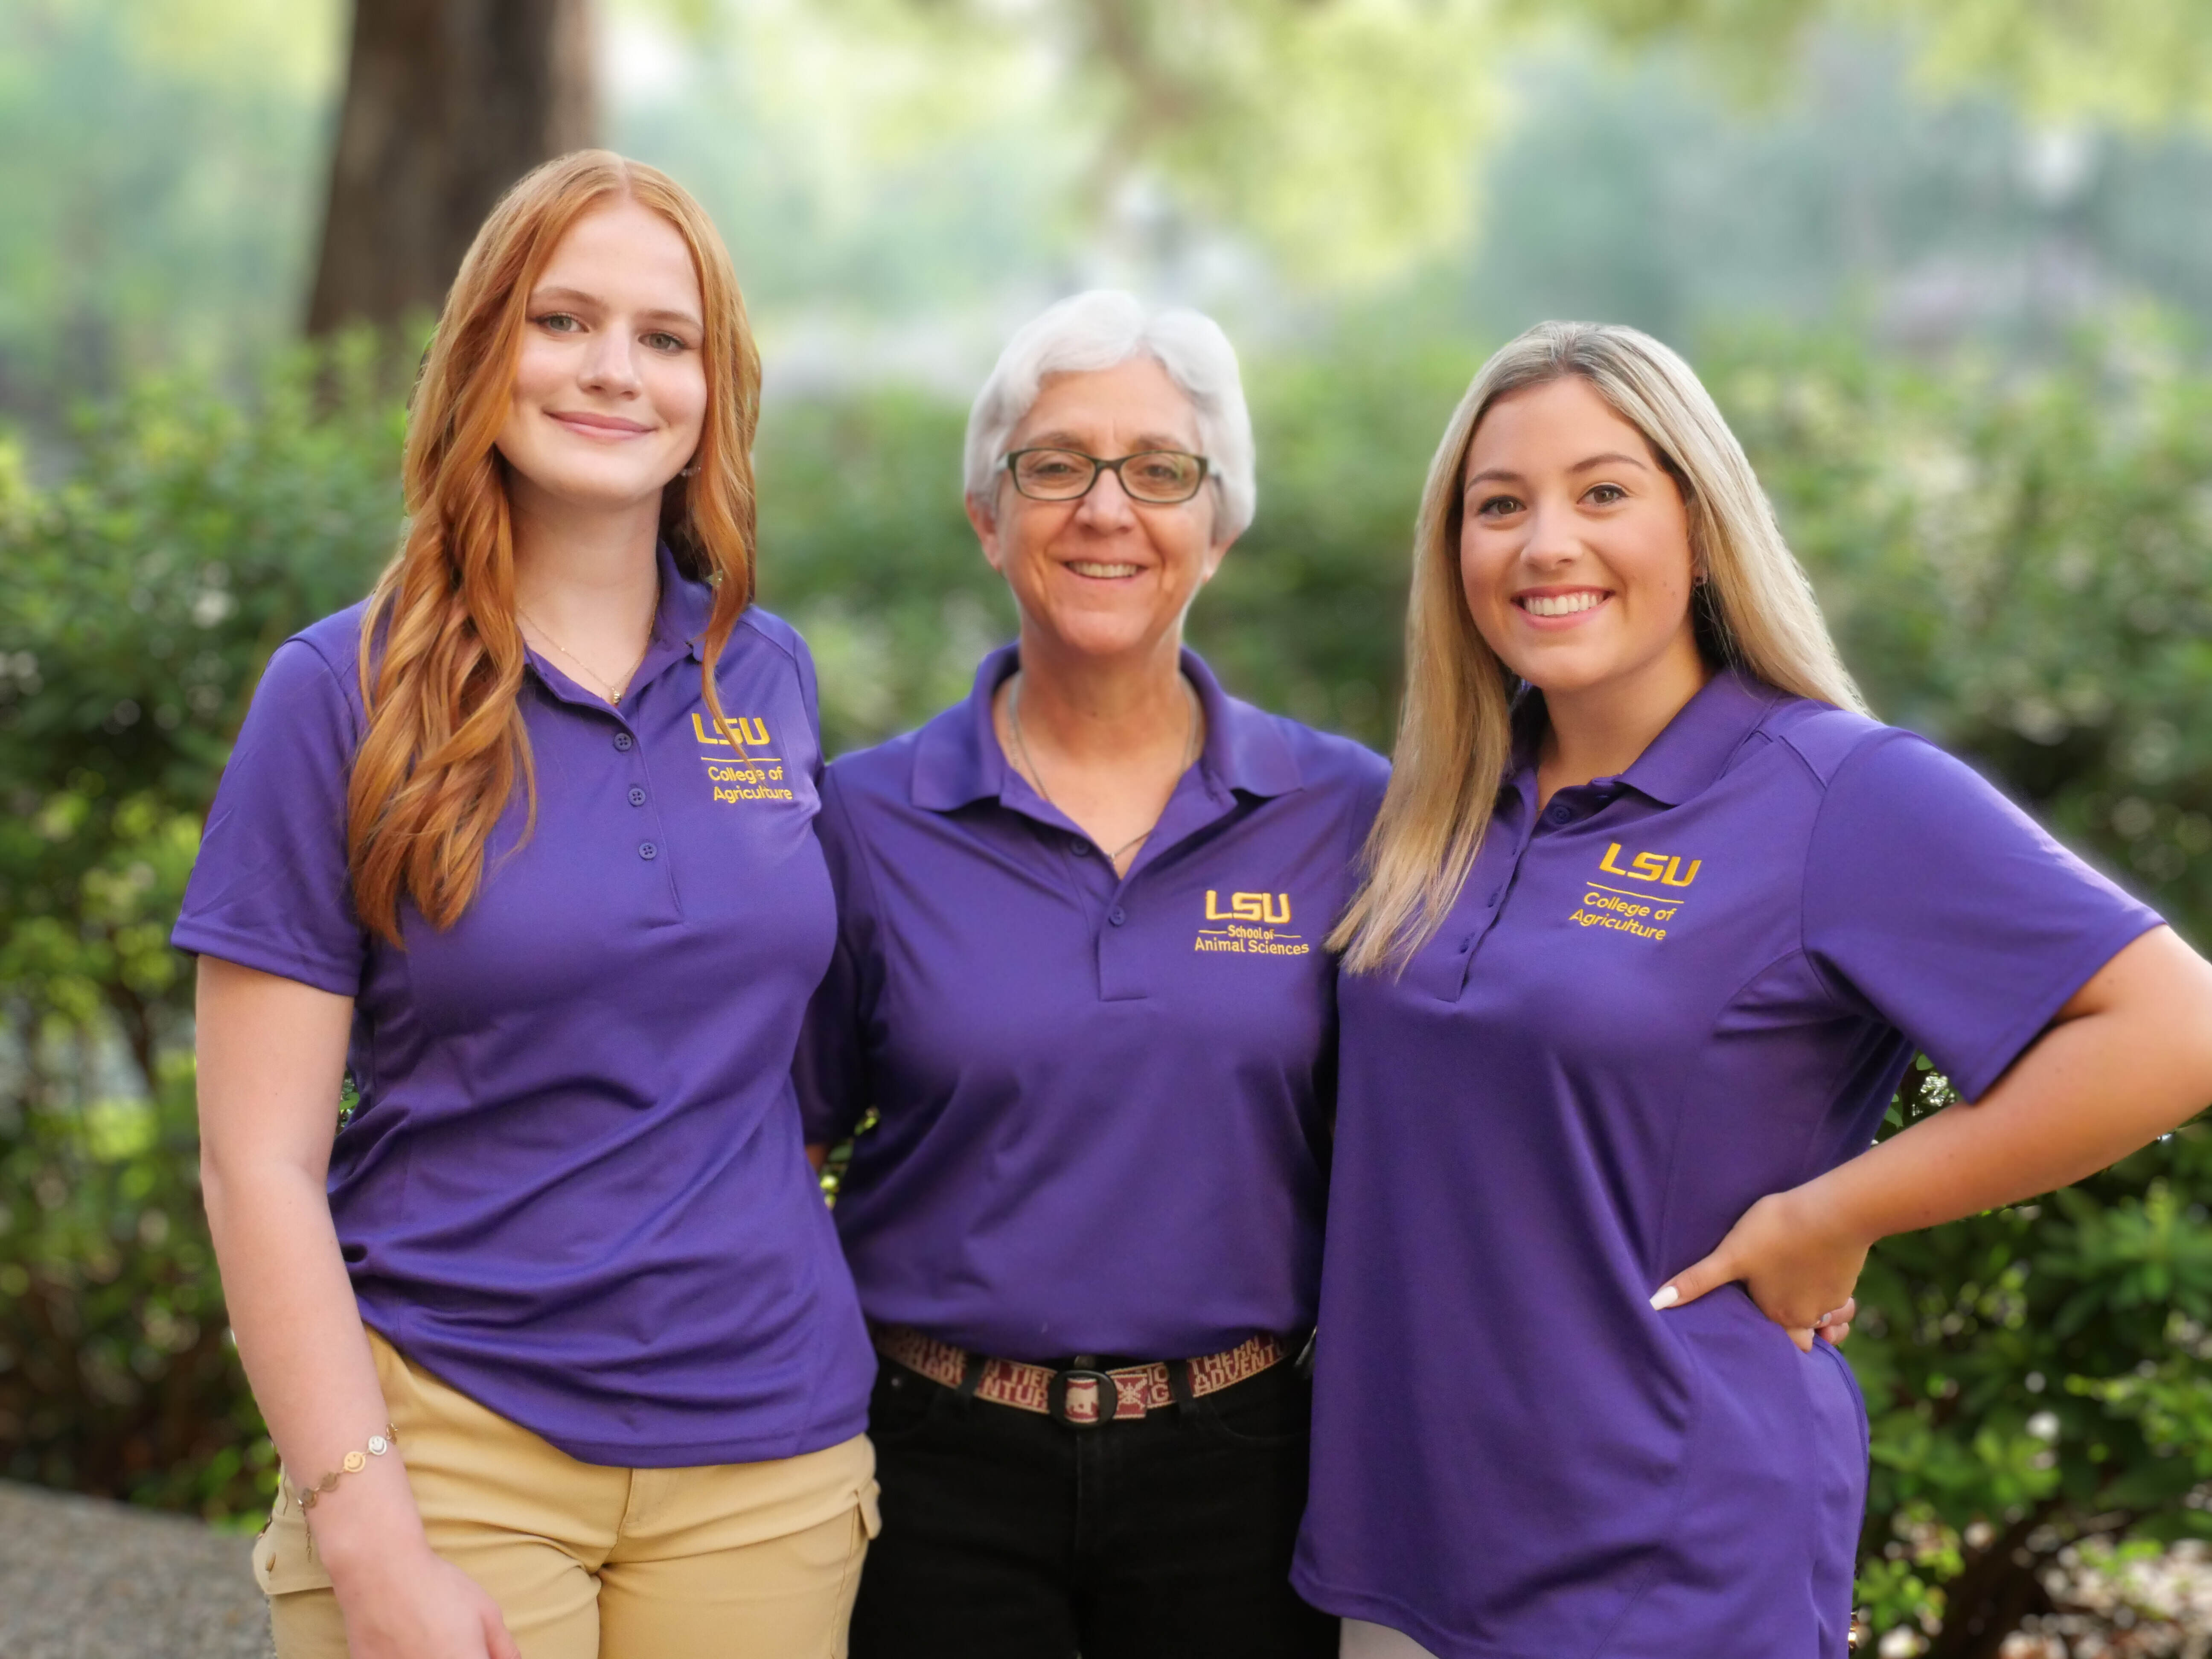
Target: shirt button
(637, 796)
(645, 849)
(1561, 814)
(1117, 916)
(1497, 893)
(1078, 846)
(623, 741)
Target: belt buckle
(1082, 1398)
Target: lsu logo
(1661, 867)
(1273, 908)
(752, 732)
(1252, 925)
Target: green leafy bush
(139, 601)
(2016, 558)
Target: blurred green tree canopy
(1264, 115)
(2143, 62)
(901, 179)
(158, 161)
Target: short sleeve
(1945, 909)
(809, 695)
(830, 1067)
(270, 889)
(789, 641)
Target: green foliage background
(2016, 558)
(138, 599)
(1905, 262)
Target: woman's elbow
(239, 1181)
(2165, 996)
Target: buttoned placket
(1112, 904)
(648, 840)
(1568, 808)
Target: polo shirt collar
(686, 606)
(1686, 758)
(679, 626)
(958, 759)
(1245, 749)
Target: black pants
(1008, 1535)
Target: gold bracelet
(353, 1463)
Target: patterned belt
(1081, 1396)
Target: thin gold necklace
(612, 691)
(1030, 766)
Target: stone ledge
(85, 1578)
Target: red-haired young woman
(553, 1337)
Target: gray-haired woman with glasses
(1079, 984)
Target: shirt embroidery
(745, 776)
(1256, 926)
(1664, 868)
(1622, 909)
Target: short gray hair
(1099, 330)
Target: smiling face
(611, 390)
(1105, 575)
(1574, 547)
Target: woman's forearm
(2129, 1057)
(300, 1339)
(271, 1054)
(2130, 1060)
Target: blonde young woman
(1654, 919)
(554, 1338)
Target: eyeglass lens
(1161, 476)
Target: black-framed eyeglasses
(1159, 478)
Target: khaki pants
(736, 1560)
(1362, 1640)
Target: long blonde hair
(1455, 733)
(442, 657)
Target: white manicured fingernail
(1667, 1297)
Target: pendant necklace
(1030, 766)
(609, 689)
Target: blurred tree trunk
(447, 102)
(2003, 1584)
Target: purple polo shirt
(1105, 1102)
(574, 1187)
(1676, 991)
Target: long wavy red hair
(442, 658)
